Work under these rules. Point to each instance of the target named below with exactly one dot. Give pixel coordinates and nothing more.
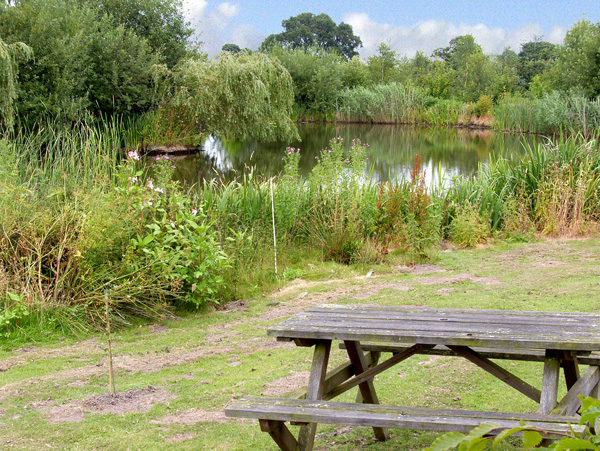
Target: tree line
(66, 59)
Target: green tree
(383, 65)
(317, 75)
(161, 22)
(535, 58)
(119, 65)
(249, 96)
(355, 73)
(231, 48)
(474, 73)
(578, 62)
(461, 48)
(10, 54)
(84, 60)
(307, 30)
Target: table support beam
(280, 433)
(550, 383)
(496, 370)
(306, 436)
(374, 371)
(367, 390)
(584, 386)
(571, 368)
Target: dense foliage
(87, 57)
(307, 30)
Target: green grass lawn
(175, 378)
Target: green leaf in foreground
(531, 439)
(573, 444)
(446, 442)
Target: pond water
(392, 150)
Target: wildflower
(194, 211)
(133, 179)
(158, 190)
(173, 224)
(150, 184)
(150, 203)
(133, 155)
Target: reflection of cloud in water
(214, 150)
(435, 172)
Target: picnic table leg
(306, 437)
(550, 383)
(375, 355)
(367, 390)
(571, 368)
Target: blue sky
(406, 25)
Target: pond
(392, 149)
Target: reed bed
(554, 113)
(82, 223)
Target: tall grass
(554, 188)
(80, 223)
(398, 104)
(554, 113)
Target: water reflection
(391, 153)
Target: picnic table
(559, 340)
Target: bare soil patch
(180, 437)
(130, 401)
(193, 416)
(457, 278)
(286, 384)
(425, 268)
(30, 354)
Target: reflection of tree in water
(391, 153)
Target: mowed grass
(176, 378)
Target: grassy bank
(175, 378)
(85, 225)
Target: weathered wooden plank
(432, 310)
(504, 375)
(439, 326)
(372, 415)
(492, 340)
(250, 405)
(530, 355)
(457, 317)
(550, 383)
(372, 372)
(306, 436)
(584, 386)
(280, 433)
(367, 390)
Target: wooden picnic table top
(506, 329)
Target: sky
(407, 26)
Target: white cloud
(432, 34)
(195, 8)
(215, 25)
(228, 10)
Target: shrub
(469, 227)
(176, 245)
(484, 105)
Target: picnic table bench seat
(274, 411)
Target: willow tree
(10, 54)
(249, 96)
